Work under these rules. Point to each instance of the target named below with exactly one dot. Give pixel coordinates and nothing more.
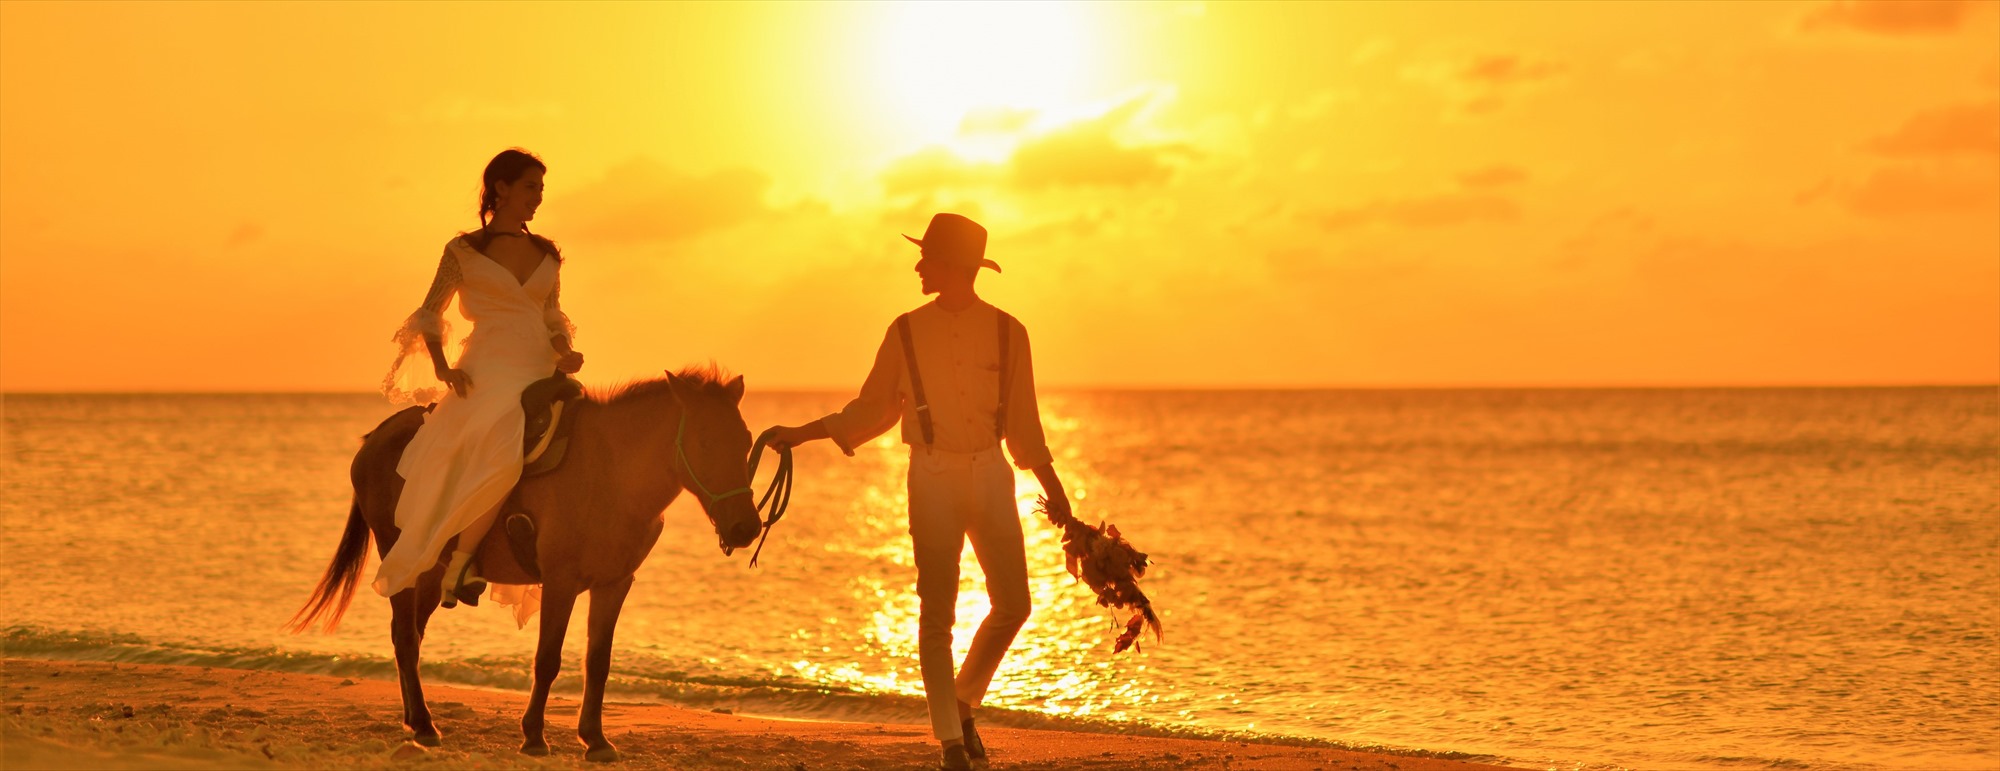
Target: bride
(461, 465)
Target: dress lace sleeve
(412, 379)
(552, 313)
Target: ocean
(1576, 579)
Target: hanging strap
(916, 380)
(1006, 375)
(780, 489)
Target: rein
(781, 485)
(780, 489)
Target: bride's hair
(505, 168)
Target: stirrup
(521, 540)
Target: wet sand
(88, 715)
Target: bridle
(780, 489)
(681, 450)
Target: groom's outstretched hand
(788, 437)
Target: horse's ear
(675, 386)
(735, 389)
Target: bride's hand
(456, 378)
(570, 362)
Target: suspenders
(917, 378)
(1000, 415)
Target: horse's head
(712, 453)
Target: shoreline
(61, 714)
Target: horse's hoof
(537, 749)
(604, 754)
(428, 740)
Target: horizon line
(1248, 387)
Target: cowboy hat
(954, 238)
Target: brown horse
(596, 518)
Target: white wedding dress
(467, 456)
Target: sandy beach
(78, 715)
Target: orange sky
(251, 197)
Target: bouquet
(1103, 560)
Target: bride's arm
(561, 331)
(424, 331)
(436, 347)
(429, 319)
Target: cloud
(1949, 162)
(1610, 233)
(1371, 50)
(996, 120)
(1905, 190)
(246, 233)
(1486, 83)
(1501, 70)
(1093, 152)
(1891, 17)
(1436, 211)
(1081, 226)
(1971, 129)
(644, 200)
(913, 216)
(934, 168)
(1318, 105)
(1089, 153)
(1499, 175)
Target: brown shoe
(974, 748)
(955, 759)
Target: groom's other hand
(1059, 507)
(1052, 490)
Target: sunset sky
(251, 197)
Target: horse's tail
(336, 589)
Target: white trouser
(953, 497)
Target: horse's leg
(605, 602)
(406, 634)
(429, 594)
(426, 605)
(557, 602)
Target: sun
(939, 62)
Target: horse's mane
(710, 378)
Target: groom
(957, 373)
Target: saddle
(546, 438)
